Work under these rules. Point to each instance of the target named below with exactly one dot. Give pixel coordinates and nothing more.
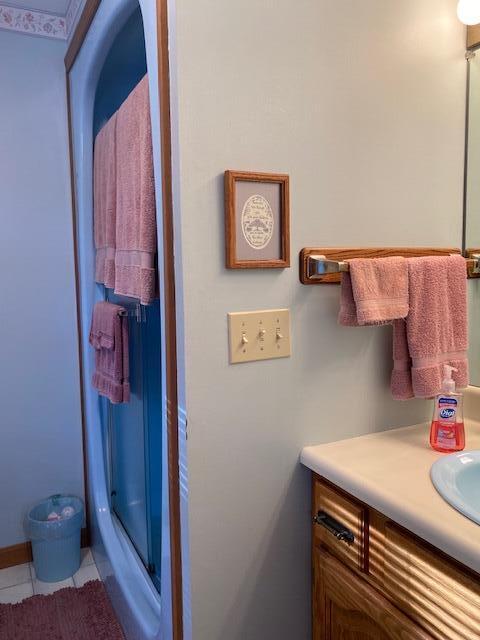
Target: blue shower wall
(125, 66)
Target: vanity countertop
(390, 471)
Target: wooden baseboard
(21, 553)
(16, 554)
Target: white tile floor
(20, 582)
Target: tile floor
(20, 582)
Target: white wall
(40, 428)
(362, 103)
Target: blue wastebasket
(55, 543)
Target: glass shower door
(135, 438)
(127, 442)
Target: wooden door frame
(169, 295)
(473, 36)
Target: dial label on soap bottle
(447, 414)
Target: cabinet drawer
(435, 593)
(334, 513)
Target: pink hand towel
(375, 291)
(102, 330)
(104, 203)
(436, 331)
(401, 383)
(109, 337)
(136, 235)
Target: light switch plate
(259, 335)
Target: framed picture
(257, 220)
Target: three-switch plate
(259, 335)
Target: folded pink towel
(104, 203)
(102, 330)
(109, 337)
(435, 332)
(375, 291)
(136, 236)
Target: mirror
(472, 199)
(472, 208)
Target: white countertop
(390, 471)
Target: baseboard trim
(21, 553)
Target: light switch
(259, 335)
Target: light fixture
(468, 11)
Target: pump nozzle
(448, 383)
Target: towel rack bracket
(325, 265)
(473, 263)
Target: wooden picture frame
(257, 220)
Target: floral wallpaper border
(39, 23)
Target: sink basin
(456, 477)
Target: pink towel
(104, 203)
(136, 237)
(109, 337)
(102, 330)
(374, 292)
(401, 382)
(435, 332)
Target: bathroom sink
(456, 477)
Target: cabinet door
(345, 607)
(436, 594)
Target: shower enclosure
(133, 433)
(131, 449)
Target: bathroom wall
(362, 103)
(78, 10)
(41, 447)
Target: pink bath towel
(104, 203)
(435, 332)
(109, 337)
(375, 291)
(136, 237)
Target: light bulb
(468, 11)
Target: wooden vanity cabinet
(373, 580)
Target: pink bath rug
(67, 614)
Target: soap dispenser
(447, 433)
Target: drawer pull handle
(339, 531)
